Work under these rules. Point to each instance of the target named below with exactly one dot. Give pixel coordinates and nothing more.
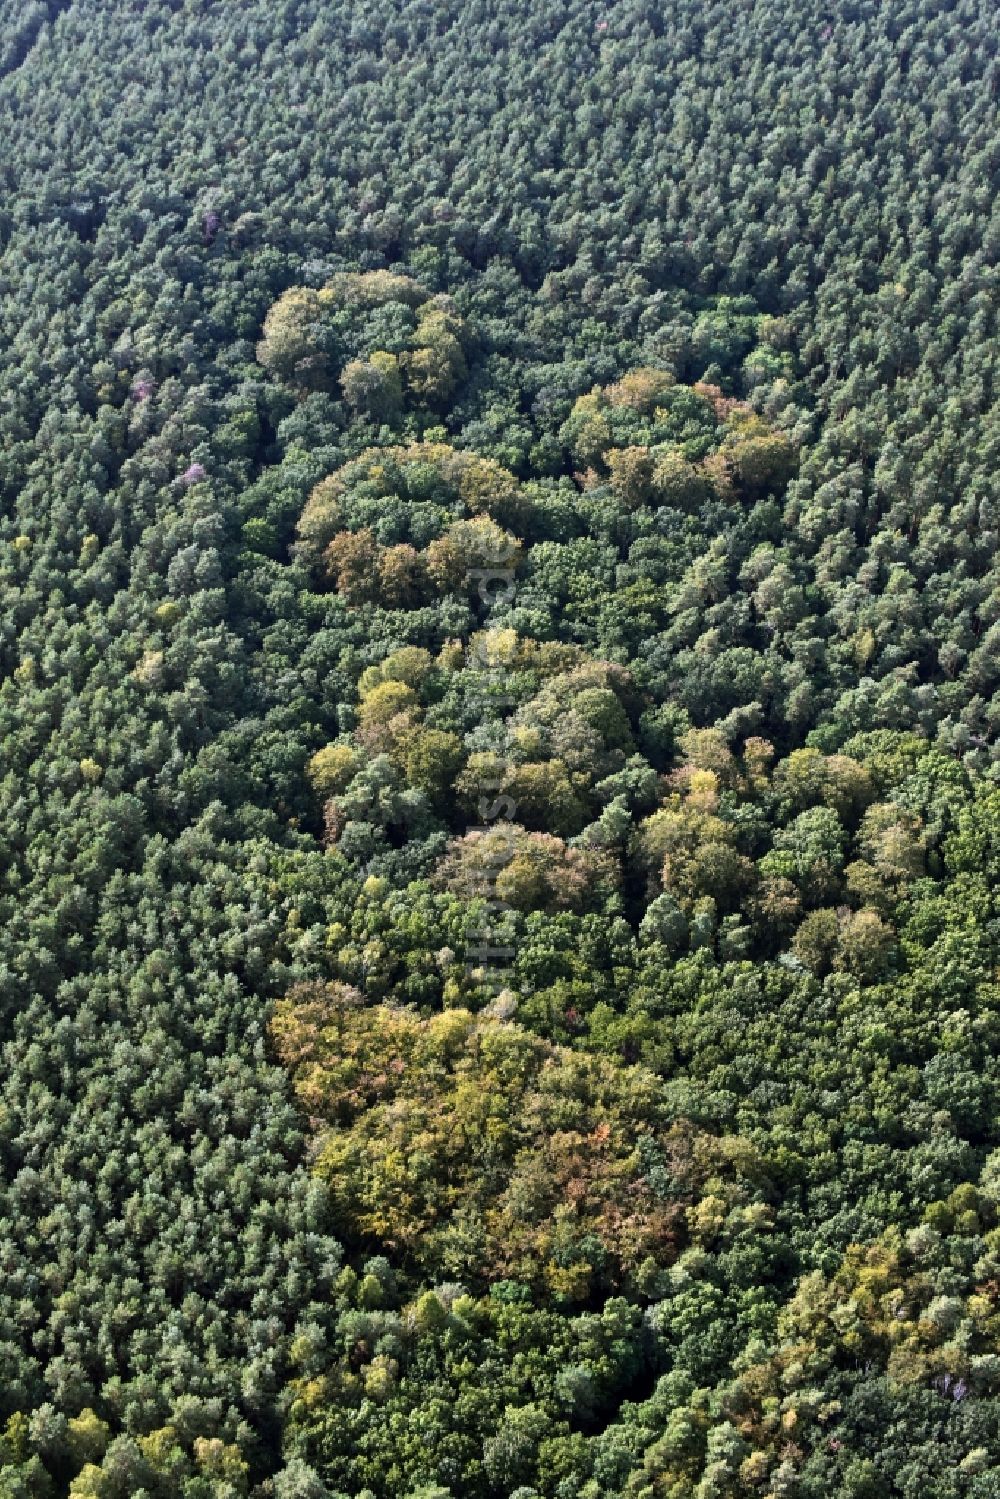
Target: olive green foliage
(469, 1143)
(508, 479)
(308, 333)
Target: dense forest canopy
(499, 706)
